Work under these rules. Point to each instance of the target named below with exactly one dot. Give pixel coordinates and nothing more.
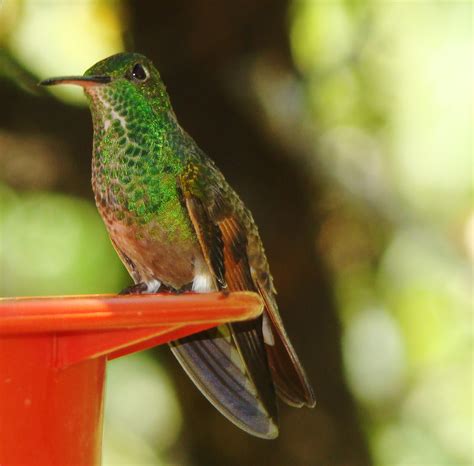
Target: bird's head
(120, 83)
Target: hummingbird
(177, 225)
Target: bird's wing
(228, 364)
(247, 267)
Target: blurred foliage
(46, 246)
(52, 38)
(389, 92)
(378, 112)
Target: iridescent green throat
(137, 158)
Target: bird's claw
(138, 288)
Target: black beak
(84, 81)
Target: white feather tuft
(202, 283)
(153, 286)
(268, 337)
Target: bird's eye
(139, 73)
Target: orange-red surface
(53, 353)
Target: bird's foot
(138, 288)
(224, 292)
(143, 287)
(155, 286)
(171, 290)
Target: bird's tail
(229, 365)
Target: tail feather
(229, 366)
(290, 379)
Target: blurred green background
(346, 126)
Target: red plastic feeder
(53, 353)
